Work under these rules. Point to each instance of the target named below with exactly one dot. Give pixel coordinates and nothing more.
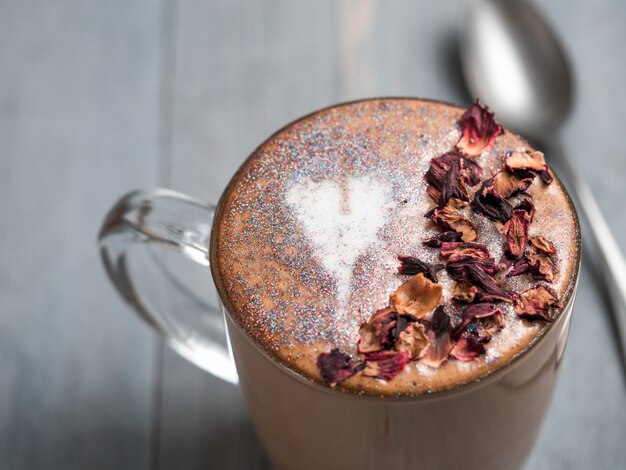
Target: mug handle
(134, 238)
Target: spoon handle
(613, 264)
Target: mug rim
(489, 376)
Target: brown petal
(416, 297)
(436, 241)
(410, 265)
(516, 230)
(488, 202)
(448, 176)
(336, 366)
(467, 349)
(385, 365)
(457, 250)
(449, 219)
(440, 341)
(413, 340)
(479, 129)
(540, 266)
(488, 289)
(464, 293)
(507, 184)
(537, 303)
(532, 160)
(483, 320)
(381, 331)
(543, 245)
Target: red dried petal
(507, 184)
(440, 166)
(540, 266)
(488, 289)
(385, 365)
(537, 303)
(492, 205)
(467, 349)
(479, 129)
(447, 176)
(543, 245)
(527, 206)
(336, 366)
(521, 161)
(483, 320)
(436, 241)
(439, 335)
(413, 340)
(519, 267)
(461, 255)
(381, 331)
(410, 265)
(448, 219)
(458, 250)
(516, 230)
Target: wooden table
(101, 97)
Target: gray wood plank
(79, 126)
(243, 70)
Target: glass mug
(487, 424)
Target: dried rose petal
(519, 267)
(434, 193)
(436, 241)
(479, 129)
(410, 265)
(461, 255)
(385, 365)
(488, 290)
(336, 366)
(537, 303)
(507, 184)
(543, 245)
(464, 293)
(457, 269)
(528, 161)
(458, 250)
(483, 319)
(448, 218)
(440, 339)
(382, 330)
(467, 349)
(516, 230)
(531, 160)
(540, 266)
(448, 176)
(491, 204)
(416, 297)
(527, 206)
(413, 340)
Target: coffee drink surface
(308, 233)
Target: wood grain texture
(79, 126)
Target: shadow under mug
(488, 424)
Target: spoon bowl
(515, 64)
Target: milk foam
(341, 223)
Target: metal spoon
(512, 60)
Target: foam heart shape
(340, 224)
